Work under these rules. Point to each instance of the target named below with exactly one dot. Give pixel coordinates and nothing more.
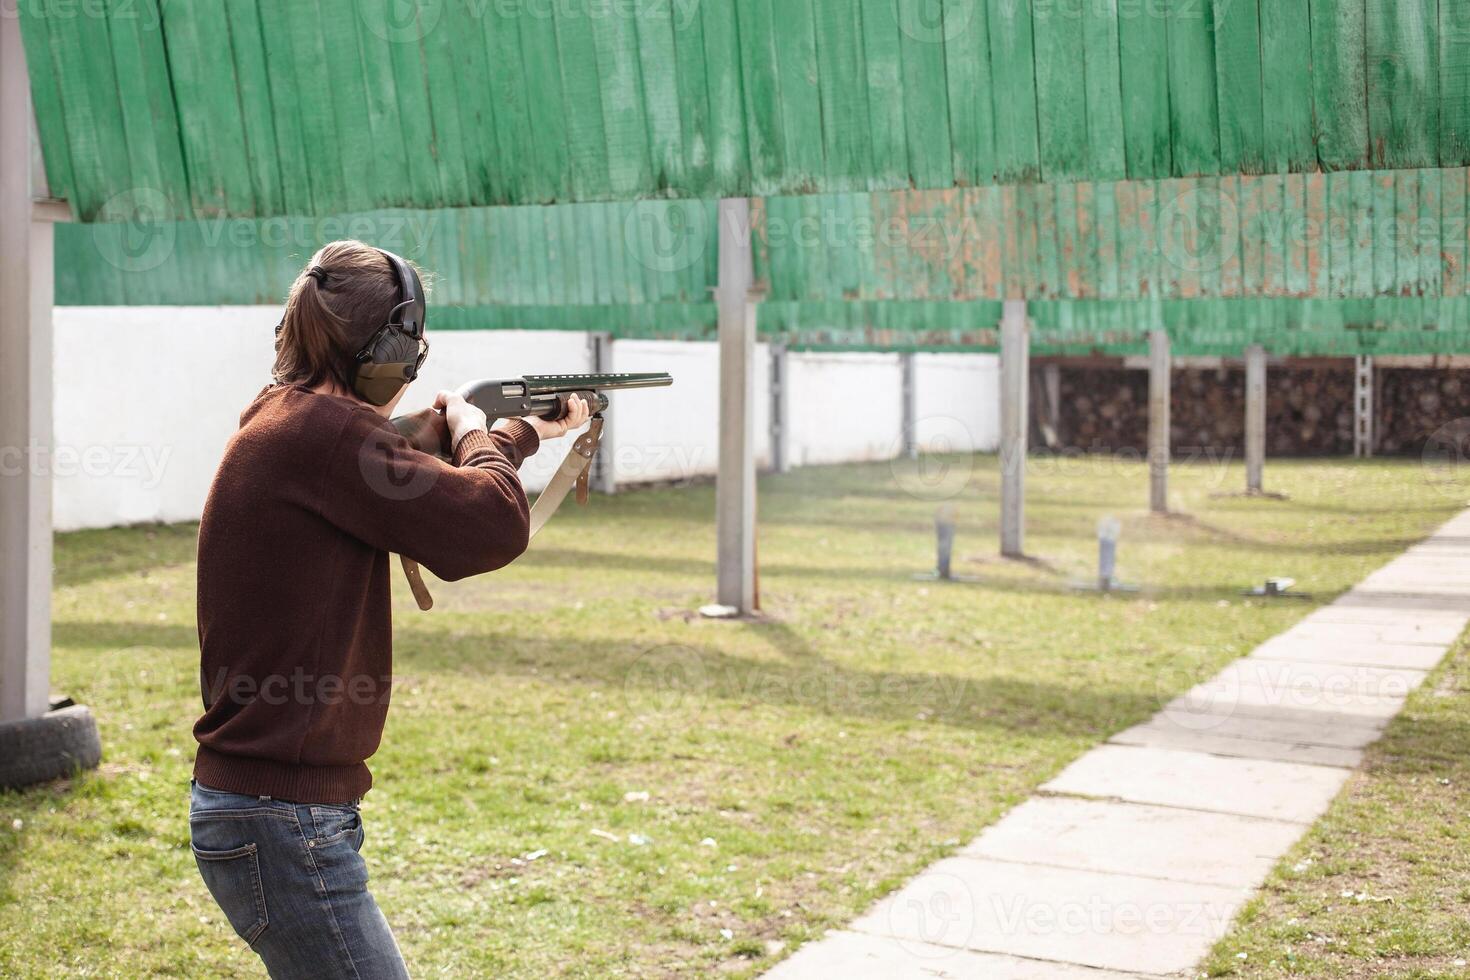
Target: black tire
(56, 744)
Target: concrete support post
(1363, 407)
(1158, 422)
(780, 409)
(26, 297)
(735, 482)
(604, 478)
(1255, 417)
(909, 409)
(1015, 372)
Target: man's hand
(461, 417)
(578, 413)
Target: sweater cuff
(473, 443)
(523, 435)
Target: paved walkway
(1133, 861)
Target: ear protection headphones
(393, 355)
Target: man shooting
(314, 491)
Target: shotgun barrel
(548, 395)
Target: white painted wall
(146, 398)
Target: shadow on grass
(690, 679)
(88, 556)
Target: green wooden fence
(268, 107)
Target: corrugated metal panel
(1337, 236)
(1342, 235)
(600, 254)
(265, 107)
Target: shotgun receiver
(546, 396)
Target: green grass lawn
(1380, 887)
(795, 767)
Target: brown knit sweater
(295, 627)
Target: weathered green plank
(1194, 116)
(304, 57)
(1339, 81)
(1454, 83)
(1061, 97)
(1102, 69)
(925, 95)
(686, 30)
(581, 102)
(82, 57)
(513, 172)
(1144, 62)
(729, 139)
(967, 71)
(761, 86)
(1403, 82)
(883, 66)
(252, 73)
(624, 119)
(1013, 87)
(46, 97)
(800, 105)
(1286, 78)
(653, 28)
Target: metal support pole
(909, 410)
(780, 409)
(1158, 422)
(1015, 371)
(604, 477)
(26, 297)
(1255, 417)
(735, 483)
(1363, 407)
(1051, 393)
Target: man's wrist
(465, 430)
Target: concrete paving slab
(856, 956)
(1329, 678)
(1170, 777)
(1403, 630)
(1309, 648)
(1135, 839)
(1225, 697)
(1110, 921)
(1173, 737)
(1344, 734)
(1358, 615)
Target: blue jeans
(290, 880)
